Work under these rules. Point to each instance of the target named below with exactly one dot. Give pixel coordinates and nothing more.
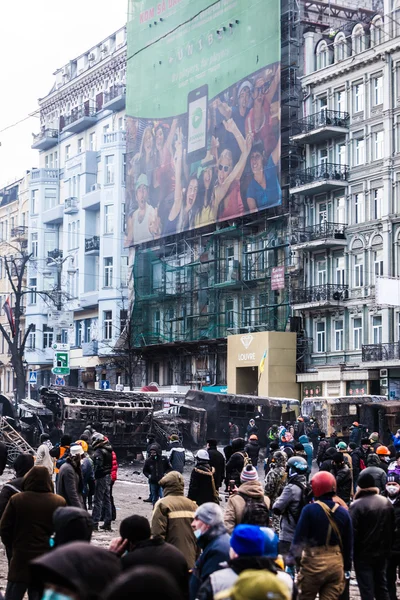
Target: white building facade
(77, 217)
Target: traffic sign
(60, 370)
(61, 359)
(104, 384)
(32, 377)
(62, 347)
(119, 387)
(60, 381)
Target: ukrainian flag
(262, 362)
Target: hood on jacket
(78, 566)
(238, 445)
(303, 439)
(37, 480)
(72, 524)
(23, 463)
(254, 489)
(173, 484)
(373, 460)
(330, 452)
(279, 459)
(144, 581)
(157, 448)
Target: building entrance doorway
(247, 381)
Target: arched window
(358, 39)
(340, 47)
(322, 55)
(377, 31)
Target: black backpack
(255, 512)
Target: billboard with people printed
(203, 113)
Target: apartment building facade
(347, 233)
(76, 224)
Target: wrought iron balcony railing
(53, 255)
(79, 113)
(381, 352)
(92, 243)
(114, 92)
(321, 231)
(323, 118)
(328, 292)
(322, 172)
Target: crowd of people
(295, 530)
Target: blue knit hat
(248, 540)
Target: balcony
(80, 119)
(328, 294)
(19, 233)
(92, 245)
(320, 126)
(46, 139)
(113, 138)
(54, 255)
(115, 98)
(90, 348)
(91, 200)
(44, 175)
(321, 178)
(53, 215)
(381, 352)
(322, 235)
(71, 205)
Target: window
(321, 272)
(358, 91)
(157, 321)
(123, 217)
(33, 288)
(339, 270)
(377, 203)
(47, 336)
(56, 159)
(377, 31)
(339, 335)
(110, 169)
(320, 335)
(377, 330)
(34, 245)
(32, 338)
(341, 154)
(322, 55)
(88, 330)
(263, 308)
(230, 315)
(123, 169)
(107, 324)
(67, 151)
(340, 47)
(92, 141)
(247, 312)
(378, 264)
(377, 90)
(359, 212)
(108, 271)
(358, 270)
(357, 333)
(378, 145)
(340, 211)
(340, 101)
(124, 270)
(123, 319)
(359, 151)
(34, 202)
(358, 39)
(80, 145)
(50, 198)
(109, 218)
(78, 333)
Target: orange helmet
(355, 424)
(253, 437)
(323, 483)
(383, 450)
(300, 419)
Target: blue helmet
(297, 464)
(271, 542)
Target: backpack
(255, 512)
(306, 495)
(362, 464)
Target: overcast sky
(36, 38)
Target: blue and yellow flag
(262, 362)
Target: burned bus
(336, 414)
(125, 418)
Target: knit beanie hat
(249, 473)
(248, 540)
(202, 455)
(393, 477)
(210, 513)
(365, 442)
(365, 480)
(374, 437)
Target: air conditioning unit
(383, 373)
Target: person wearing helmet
(374, 441)
(87, 475)
(323, 446)
(323, 542)
(275, 481)
(253, 449)
(384, 456)
(356, 432)
(392, 493)
(299, 428)
(202, 487)
(290, 503)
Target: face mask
(53, 595)
(198, 533)
(392, 490)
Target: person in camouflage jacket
(275, 481)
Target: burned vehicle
(223, 408)
(125, 418)
(188, 422)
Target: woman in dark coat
(202, 487)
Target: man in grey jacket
(290, 503)
(69, 482)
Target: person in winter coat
(114, 477)
(309, 450)
(356, 431)
(249, 491)
(69, 482)
(209, 530)
(238, 460)
(373, 525)
(71, 524)
(3, 454)
(396, 440)
(43, 458)
(251, 428)
(202, 487)
(88, 481)
(102, 464)
(374, 441)
(394, 466)
(26, 527)
(233, 431)
(322, 448)
(22, 464)
(176, 454)
(144, 581)
(275, 481)
(392, 493)
(62, 449)
(299, 428)
(155, 467)
(314, 437)
(343, 448)
(173, 515)
(290, 503)
(253, 449)
(326, 464)
(374, 469)
(217, 461)
(342, 474)
(359, 458)
(78, 570)
(273, 447)
(384, 456)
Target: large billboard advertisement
(203, 113)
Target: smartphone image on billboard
(197, 124)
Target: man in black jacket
(238, 460)
(154, 469)
(253, 449)
(359, 458)
(342, 474)
(373, 524)
(217, 460)
(102, 463)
